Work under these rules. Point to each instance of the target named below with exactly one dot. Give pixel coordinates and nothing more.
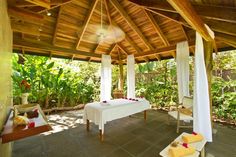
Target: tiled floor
(126, 137)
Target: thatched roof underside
(152, 27)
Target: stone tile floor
(126, 137)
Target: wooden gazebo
(63, 28)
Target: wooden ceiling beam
(121, 48)
(42, 3)
(27, 43)
(25, 15)
(130, 22)
(23, 4)
(184, 32)
(160, 51)
(28, 28)
(228, 39)
(158, 57)
(127, 38)
(86, 21)
(157, 28)
(55, 5)
(173, 53)
(219, 13)
(226, 27)
(57, 25)
(112, 48)
(185, 9)
(216, 26)
(131, 42)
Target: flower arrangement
(24, 86)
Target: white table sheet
(101, 113)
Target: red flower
(24, 86)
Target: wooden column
(208, 50)
(121, 76)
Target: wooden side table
(12, 133)
(199, 147)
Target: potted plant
(25, 88)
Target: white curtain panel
(201, 107)
(105, 78)
(182, 59)
(130, 77)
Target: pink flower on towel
(185, 145)
(31, 125)
(136, 99)
(104, 101)
(194, 133)
(130, 98)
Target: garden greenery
(61, 82)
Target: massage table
(102, 112)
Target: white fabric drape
(182, 59)
(105, 78)
(201, 107)
(130, 77)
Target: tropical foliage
(58, 82)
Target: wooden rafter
(185, 9)
(130, 22)
(38, 45)
(228, 39)
(157, 28)
(173, 53)
(112, 22)
(122, 48)
(184, 32)
(28, 28)
(158, 57)
(42, 3)
(226, 27)
(130, 41)
(25, 15)
(55, 3)
(57, 25)
(213, 12)
(112, 48)
(163, 50)
(216, 26)
(23, 4)
(86, 22)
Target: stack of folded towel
(181, 151)
(192, 138)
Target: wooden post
(145, 115)
(208, 50)
(87, 124)
(101, 135)
(121, 76)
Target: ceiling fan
(106, 33)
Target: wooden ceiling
(152, 27)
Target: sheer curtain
(130, 77)
(182, 59)
(201, 107)
(105, 78)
